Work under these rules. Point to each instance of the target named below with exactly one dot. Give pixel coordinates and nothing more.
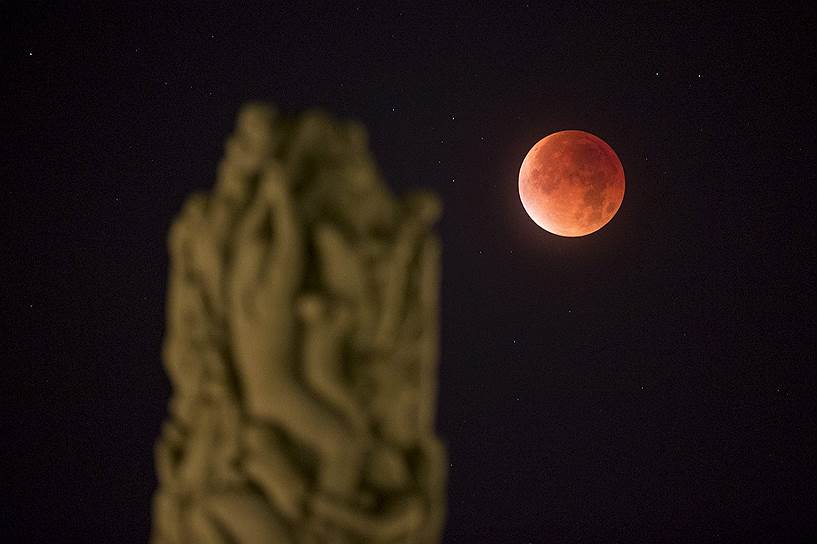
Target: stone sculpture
(302, 346)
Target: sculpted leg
(399, 520)
(324, 330)
(310, 422)
(193, 470)
(167, 520)
(264, 279)
(273, 472)
(344, 274)
(428, 343)
(423, 210)
(200, 527)
(432, 479)
(246, 518)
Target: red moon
(571, 183)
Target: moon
(571, 183)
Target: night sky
(651, 382)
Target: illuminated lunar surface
(571, 183)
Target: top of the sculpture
(302, 346)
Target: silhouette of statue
(302, 345)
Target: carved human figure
(302, 347)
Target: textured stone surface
(302, 345)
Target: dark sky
(653, 382)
